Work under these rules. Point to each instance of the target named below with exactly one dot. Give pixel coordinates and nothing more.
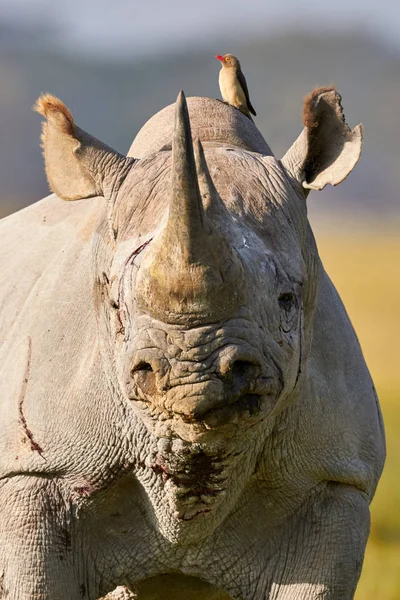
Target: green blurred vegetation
(365, 269)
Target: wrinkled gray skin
(185, 410)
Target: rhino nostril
(239, 373)
(142, 366)
(241, 368)
(145, 378)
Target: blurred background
(116, 63)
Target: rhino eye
(286, 300)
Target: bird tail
(245, 111)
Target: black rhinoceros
(185, 410)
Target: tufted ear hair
(77, 164)
(327, 150)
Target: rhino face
(209, 277)
(208, 320)
(209, 307)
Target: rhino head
(205, 278)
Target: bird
(233, 86)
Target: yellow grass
(365, 268)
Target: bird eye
(227, 59)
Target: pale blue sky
(143, 26)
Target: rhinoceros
(185, 409)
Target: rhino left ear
(327, 150)
(77, 164)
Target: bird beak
(221, 58)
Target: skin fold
(185, 410)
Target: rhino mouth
(248, 406)
(208, 404)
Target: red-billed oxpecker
(233, 86)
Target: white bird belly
(231, 90)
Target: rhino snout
(233, 382)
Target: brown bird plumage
(233, 86)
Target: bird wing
(243, 83)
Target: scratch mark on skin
(33, 445)
(83, 490)
(130, 260)
(137, 251)
(121, 330)
(121, 301)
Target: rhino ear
(327, 150)
(77, 164)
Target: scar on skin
(137, 251)
(33, 445)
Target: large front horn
(190, 274)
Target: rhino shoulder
(344, 398)
(31, 240)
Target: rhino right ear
(77, 164)
(327, 150)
